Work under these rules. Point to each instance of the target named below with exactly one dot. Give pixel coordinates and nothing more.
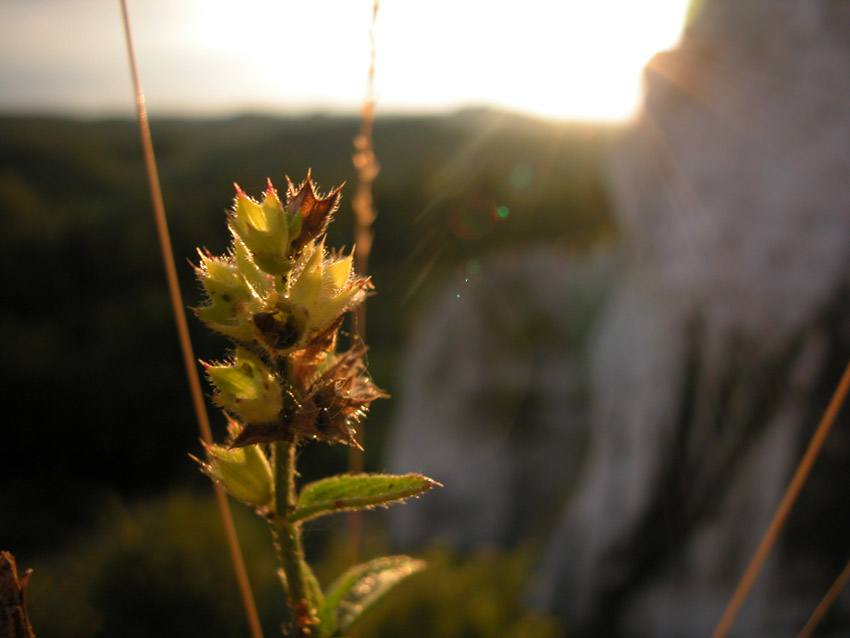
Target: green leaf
(357, 491)
(361, 587)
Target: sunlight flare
(563, 60)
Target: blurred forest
(102, 425)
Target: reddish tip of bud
(239, 191)
(270, 189)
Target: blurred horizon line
(298, 113)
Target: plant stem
(288, 535)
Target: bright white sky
(564, 59)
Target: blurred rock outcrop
(488, 381)
(666, 427)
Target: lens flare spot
(502, 212)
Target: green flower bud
(318, 291)
(244, 472)
(265, 228)
(324, 289)
(260, 282)
(247, 388)
(229, 295)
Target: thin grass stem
(183, 330)
(826, 603)
(785, 505)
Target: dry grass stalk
(364, 216)
(785, 505)
(183, 330)
(825, 603)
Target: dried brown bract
(315, 210)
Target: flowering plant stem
(288, 535)
(280, 296)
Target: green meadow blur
(97, 490)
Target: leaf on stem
(357, 491)
(361, 587)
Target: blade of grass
(785, 505)
(826, 602)
(183, 329)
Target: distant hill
(91, 354)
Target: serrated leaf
(357, 491)
(361, 587)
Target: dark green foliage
(156, 569)
(160, 569)
(477, 596)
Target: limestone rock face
(674, 424)
(488, 383)
(732, 190)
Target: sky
(564, 60)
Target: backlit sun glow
(563, 60)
